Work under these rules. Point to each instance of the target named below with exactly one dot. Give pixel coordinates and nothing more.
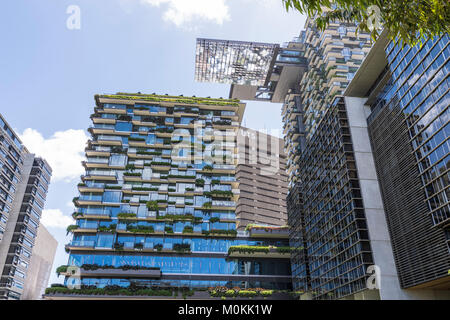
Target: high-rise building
(327, 217)
(261, 172)
(358, 213)
(333, 55)
(157, 205)
(40, 265)
(24, 181)
(406, 91)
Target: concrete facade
(24, 181)
(389, 286)
(262, 179)
(41, 265)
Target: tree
(408, 20)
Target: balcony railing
(82, 243)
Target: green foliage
(265, 249)
(71, 228)
(219, 194)
(214, 182)
(124, 215)
(136, 139)
(177, 217)
(218, 231)
(200, 182)
(61, 269)
(408, 20)
(110, 291)
(152, 205)
(111, 228)
(207, 205)
(180, 176)
(266, 293)
(176, 99)
(140, 229)
(188, 229)
(248, 249)
(182, 247)
(77, 214)
(132, 174)
(151, 153)
(247, 293)
(224, 292)
(144, 189)
(160, 163)
(114, 187)
(139, 245)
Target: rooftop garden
(174, 292)
(251, 227)
(175, 99)
(257, 249)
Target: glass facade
(160, 193)
(328, 220)
(409, 128)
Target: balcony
(81, 244)
(100, 175)
(259, 252)
(97, 214)
(139, 273)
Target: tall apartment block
(325, 203)
(261, 172)
(328, 204)
(24, 181)
(334, 56)
(157, 205)
(405, 92)
(40, 265)
(340, 189)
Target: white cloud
(55, 218)
(64, 151)
(183, 12)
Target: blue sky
(50, 74)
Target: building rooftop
(233, 62)
(256, 71)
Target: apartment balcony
(269, 232)
(96, 214)
(95, 164)
(143, 123)
(139, 273)
(97, 151)
(80, 244)
(108, 142)
(107, 109)
(99, 120)
(87, 202)
(94, 187)
(100, 175)
(98, 130)
(272, 253)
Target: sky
(52, 64)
